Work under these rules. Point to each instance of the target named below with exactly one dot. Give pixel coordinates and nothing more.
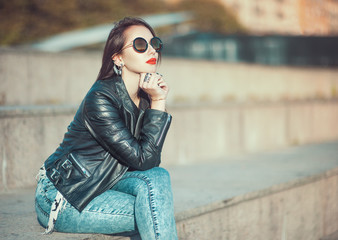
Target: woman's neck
(131, 80)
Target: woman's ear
(117, 59)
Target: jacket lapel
(130, 111)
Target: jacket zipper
(137, 127)
(131, 120)
(79, 165)
(163, 130)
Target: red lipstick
(151, 61)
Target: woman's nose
(151, 50)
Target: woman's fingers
(154, 85)
(147, 77)
(160, 82)
(142, 78)
(150, 80)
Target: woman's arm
(141, 154)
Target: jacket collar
(124, 96)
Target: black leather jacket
(122, 137)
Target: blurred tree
(23, 21)
(140, 7)
(27, 20)
(212, 16)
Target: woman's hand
(157, 89)
(154, 85)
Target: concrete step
(31, 133)
(289, 194)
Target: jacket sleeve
(108, 126)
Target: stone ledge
(215, 206)
(255, 196)
(36, 110)
(18, 208)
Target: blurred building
(308, 17)
(295, 17)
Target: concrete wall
(305, 209)
(28, 136)
(198, 133)
(212, 131)
(218, 108)
(29, 78)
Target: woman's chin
(153, 69)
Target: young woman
(104, 176)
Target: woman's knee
(161, 171)
(146, 180)
(161, 174)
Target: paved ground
(233, 176)
(193, 186)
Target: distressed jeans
(141, 201)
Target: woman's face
(138, 62)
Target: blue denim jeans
(141, 201)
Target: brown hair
(115, 43)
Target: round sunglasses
(141, 45)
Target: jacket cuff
(156, 124)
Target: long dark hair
(115, 43)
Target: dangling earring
(118, 69)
